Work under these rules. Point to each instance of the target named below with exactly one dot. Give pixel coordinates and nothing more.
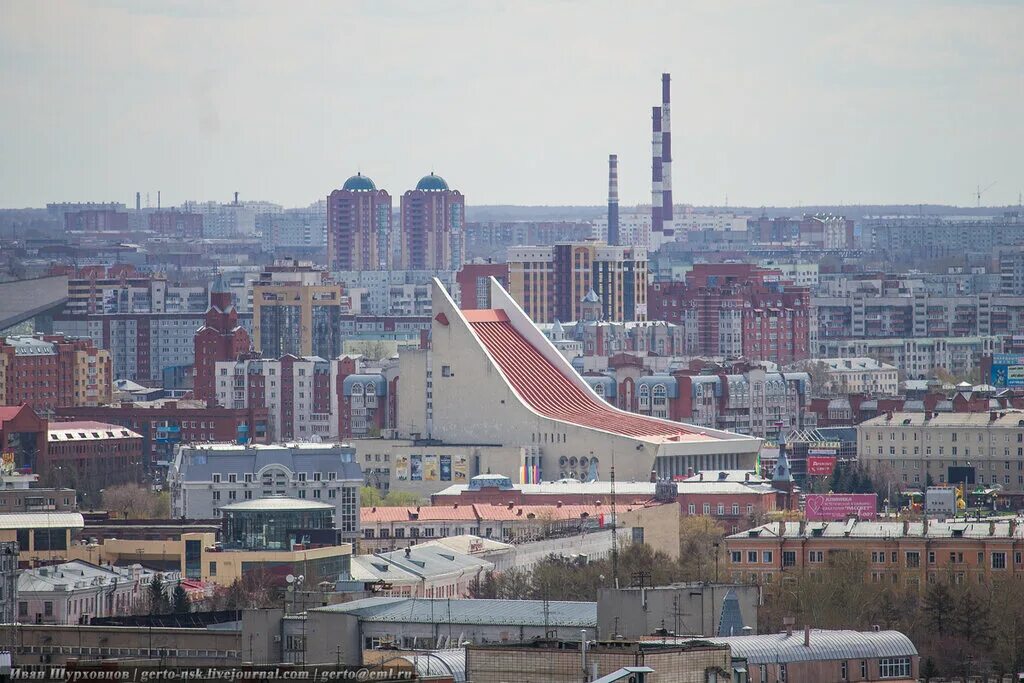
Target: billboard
(824, 448)
(1007, 370)
(821, 465)
(416, 468)
(833, 507)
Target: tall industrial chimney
(158, 200)
(656, 200)
(138, 202)
(613, 199)
(666, 156)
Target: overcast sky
(514, 102)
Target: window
(737, 556)
(783, 673)
(913, 559)
(692, 508)
(816, 556)
(232, 478)
(843, 671)
(863, 669)
(767, 557)
(216, 478)
(998, 560)
(894, 667)
(48, 608)
(213, 569)
(752, 556)
(931, 557)
(788, 558)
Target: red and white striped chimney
(666, 156)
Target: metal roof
(275, 503)
(770, 648)
(378, 385)
(440, 663)
(1003, 530)
(467, 611)
(42, 520)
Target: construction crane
(982, 190)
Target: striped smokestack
(656, 200)
(613, 199)
(666, 156)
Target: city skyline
(813, 103)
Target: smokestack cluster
(613, 199)
(661, 162)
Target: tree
(179, 600)
(701, 550)
(928, 669)
(369, 496)
(401, 498)
(157, 595)
(132, 501)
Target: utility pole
(615, 530)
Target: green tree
(937, 608)
(369, 496)
(179, 600)
(157, 595)
(401, 498)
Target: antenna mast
(615, 529)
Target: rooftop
(359, 183)
(1006, 419)
(825, 645)
(42, 520)
(87, 430)
(559, 613)
(873, 529)
(276, 503)
(432, 183)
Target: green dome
(359, 183)
(432, 183)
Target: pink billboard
(831, 507)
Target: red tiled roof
(384, 514)
(548, 391)
(432, 512)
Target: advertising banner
(835, 507)
(446, 468)
(460, 468)
(820, 465)
(1007, 370)
(430, 472)
(416, 467)
(402, 467)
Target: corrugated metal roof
(825, 646)
(440, 663)
(42, 520)
(465, 611)
(993, 530)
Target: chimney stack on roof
(788, 623)
(807, 635)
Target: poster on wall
(446, 468)
(416, 467)
(430, 472)
(1007, 370)
(829, 507)
(402, 468)
(460, 468)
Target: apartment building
(206, 477)
(53, 371)
(916, 356)
(551, 283)
(122, 289)
(896, 552)
(858, 376)
(977, 448)
(737, 309)
(297, 310)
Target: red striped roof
(548, 391)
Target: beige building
(858, 376)
(554, 661)
(425, 467)
(979, 448)
(297, 310)
(492, 377)
(200, 557)
(550, 282)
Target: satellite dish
(290, 578)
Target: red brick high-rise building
(221, 338)
(433, 220)
(736, 309)
(52, 371)
(474, 283)
(359, 226)
(176, 223)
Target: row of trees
(371, 497)
(164, 601)
(960, 629)
(132, 501)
